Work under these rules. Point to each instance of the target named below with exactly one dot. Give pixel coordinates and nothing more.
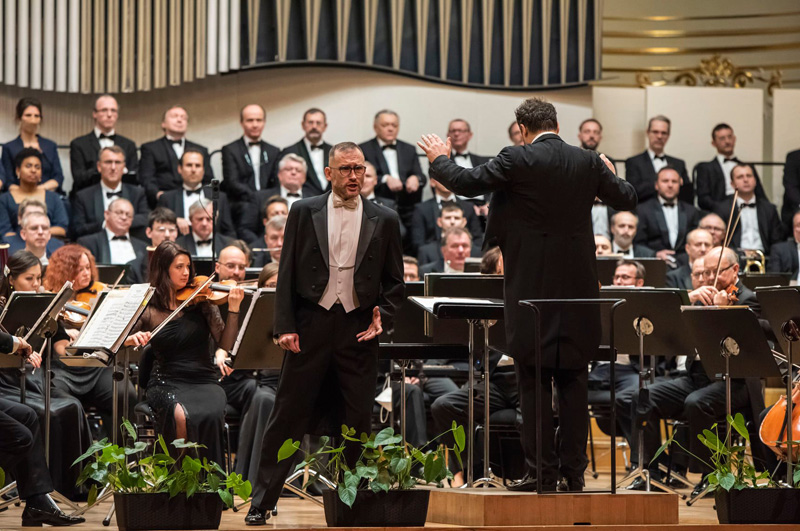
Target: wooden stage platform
(295, 514)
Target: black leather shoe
(640, 484)
(528, 484)
(699, 488)
(35, 517)
(256, 516)
(569, 484)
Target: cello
(773, 430)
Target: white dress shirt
(450, 270)
(600, 220)
(254, 152)
(177, 147)
(462, 159)
(390, 155)
(104, 142)
(204, 250)
(291, 199)
(106, 190)
(671, 215)
(616, 249)
(727, 168)
(121, 250)
(317, 157)
(657, 163)
(798, 261)
(344, 228)
(751, 238)
(190, 199)
(42, 259)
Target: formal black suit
(329, 349)
(640, 173)
(250, 215)
(237, 169)
(391, 204)
(540, 216)
(680, 277)
(710, 185)
(640, 251)
(187, 242)
(769, 224)
(407, 164)
(88, 209)
(21, 446)
(436, 266)
(652, 230)
(173, 200)
(791, 188)
(158, 167)
(312, 179)
(83, 154)
(97, 244)
(783, 258)
(139, 271)
(424, 228)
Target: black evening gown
(184, 373)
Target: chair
(600, 410)
(504, 435)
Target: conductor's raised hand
(289, 342)
(139, 339)
(434, 147)
(375, 329)
(609, 164)
(235, 298)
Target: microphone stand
(214, 201)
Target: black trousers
(239, 387)
(569, 459)
(328, 349)
(693, 397)
(22, 449)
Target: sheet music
(429, 303)
(114, 317)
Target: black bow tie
(191, 192)
(292, 194)
(389, 146)
(251, 144)
(464, 155)
(204, 242)
(179, 142)
(319, 146)
(747, 205)
(109, 195)
(597, 202)
(110, 137)
(732, 159)
(669, 204)
(120, 238)
(659, 157)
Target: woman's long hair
(63, 266)
(160, 263)
(19, 262)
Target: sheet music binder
(92, 348)
(254, 348)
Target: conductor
(540, 216)
(340, 282)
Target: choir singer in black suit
(784, 257)
(340, 282)
(540, 216)
(84, 151)
(313, 149)
(249, 163)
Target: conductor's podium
(482, 507)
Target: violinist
(91, 385)
(183, 387)
(70, 435)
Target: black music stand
(656, 270)
(109, 273)
(655, 313)
(203, 266)
(781, 307)
(761, 280)
(534, 304)
(475, 312)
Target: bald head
(728, 262)
(232, 264)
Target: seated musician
(455, 247)
(410, 269)
(34, 230)
(273, 242)
(268, 277)
(492, 262)
(692, 395)
(451, 215)
(602, 245)
(91, 385)
(698, 242)
(16, 242)
(70, 435)
(183, 387)
(162, 225)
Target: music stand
(109, 273)
(761, 280)
(251, 350)
(655, 268)
(476, 312)
(203, 266)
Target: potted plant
(742, 495)
(377, 490)
(153, 490)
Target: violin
(89, 294)
(216, 293)
(75, 313)
(733, 294)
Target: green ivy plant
(384, 464)
(731, 466)
(133, 469)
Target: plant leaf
(92, 498)
(191, 465)
(366, 471)
(458, 435)
(138, 446)
(129, 428)
(287, 449)
(163, 444)
(727, 481)
(180, 443)
(387, 436)
(347, 494)
(227, 497)
(95, 447)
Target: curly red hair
(63, 266)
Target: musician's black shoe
(256, 516)
(699, 488)
(528, 484)
(35, 517)
(640, 484)
(575, 484)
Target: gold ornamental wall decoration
(716, 71)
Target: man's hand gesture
(375, 329)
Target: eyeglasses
(624, 277)
(167, 230)
(235, 267)
(122, 213)
(357, 170)
(699, 274)
(712, 229)
(709, 273)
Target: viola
(773, 429)
(89, 294)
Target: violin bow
(183, 305)
(728, 234)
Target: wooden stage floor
(297, 514)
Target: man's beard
(590, 147)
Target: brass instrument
(755, 261)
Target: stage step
(496, 507)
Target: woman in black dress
(70, 435)
(183, 387)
